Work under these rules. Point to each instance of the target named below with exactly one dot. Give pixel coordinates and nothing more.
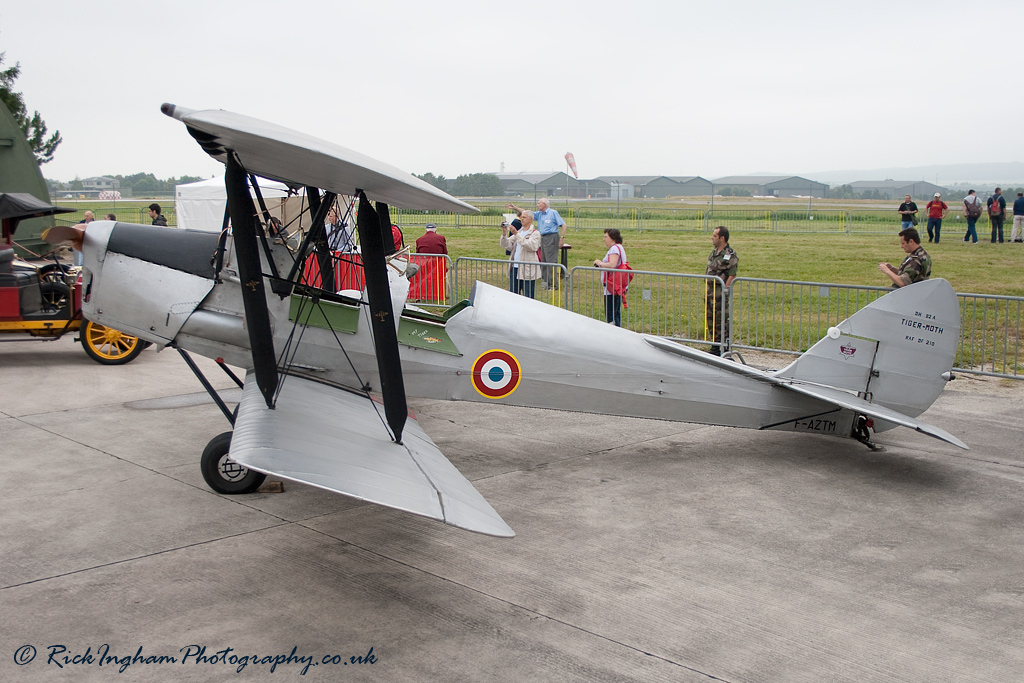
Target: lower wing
(333, 439)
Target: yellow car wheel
(108, 346)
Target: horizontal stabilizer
(843, 399)
(335, 440)
(836, 397)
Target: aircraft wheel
(223, 474)
(55, 295)
(107, 346)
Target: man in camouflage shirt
(916, 267)
(724, 263)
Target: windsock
(571, 160)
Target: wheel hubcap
(231, 470)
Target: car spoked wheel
(54, 295)
(224, 475)
(108, 346)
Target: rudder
(896, 352)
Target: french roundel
(496, 373)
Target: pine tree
(34, 127)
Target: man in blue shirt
(1018, 219)
(552, 235)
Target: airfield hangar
(773, 186)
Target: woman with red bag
(616, 255)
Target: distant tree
(478, 185)
(842, 192)
(76, 184)
(33, 126)
(130, 180)
(148, 183)
(438, 181)
(725, 191)
(185, 179)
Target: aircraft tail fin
(896, 352)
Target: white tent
(200, 206)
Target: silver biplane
(328, 373)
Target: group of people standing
(535, 237)
(973, 208)
(547, 224)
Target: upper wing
(333, 439)
(279, 153)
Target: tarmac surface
(645, 550)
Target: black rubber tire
(55, 295)
(224, 475)
(53, 273)
(107, 346)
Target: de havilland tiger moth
(328, 373)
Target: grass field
(983, 268)
(680, 245)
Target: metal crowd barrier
(782, 316)
(125, 214)
(496, 272)
(669, 305)
(991, 330)
(789, 316)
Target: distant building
(551, 185)
(521, 184)
(561, 185)
(897, 189)
(100, 183)
(773, 186)
(692, 185)
(648, 186)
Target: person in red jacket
(430, 242)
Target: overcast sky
(642, 88)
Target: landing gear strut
(222, 474)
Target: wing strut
(318, 210)
(384, 217)
(382, 317)
(254, 296)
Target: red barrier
(431, 282)
(348, 272)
